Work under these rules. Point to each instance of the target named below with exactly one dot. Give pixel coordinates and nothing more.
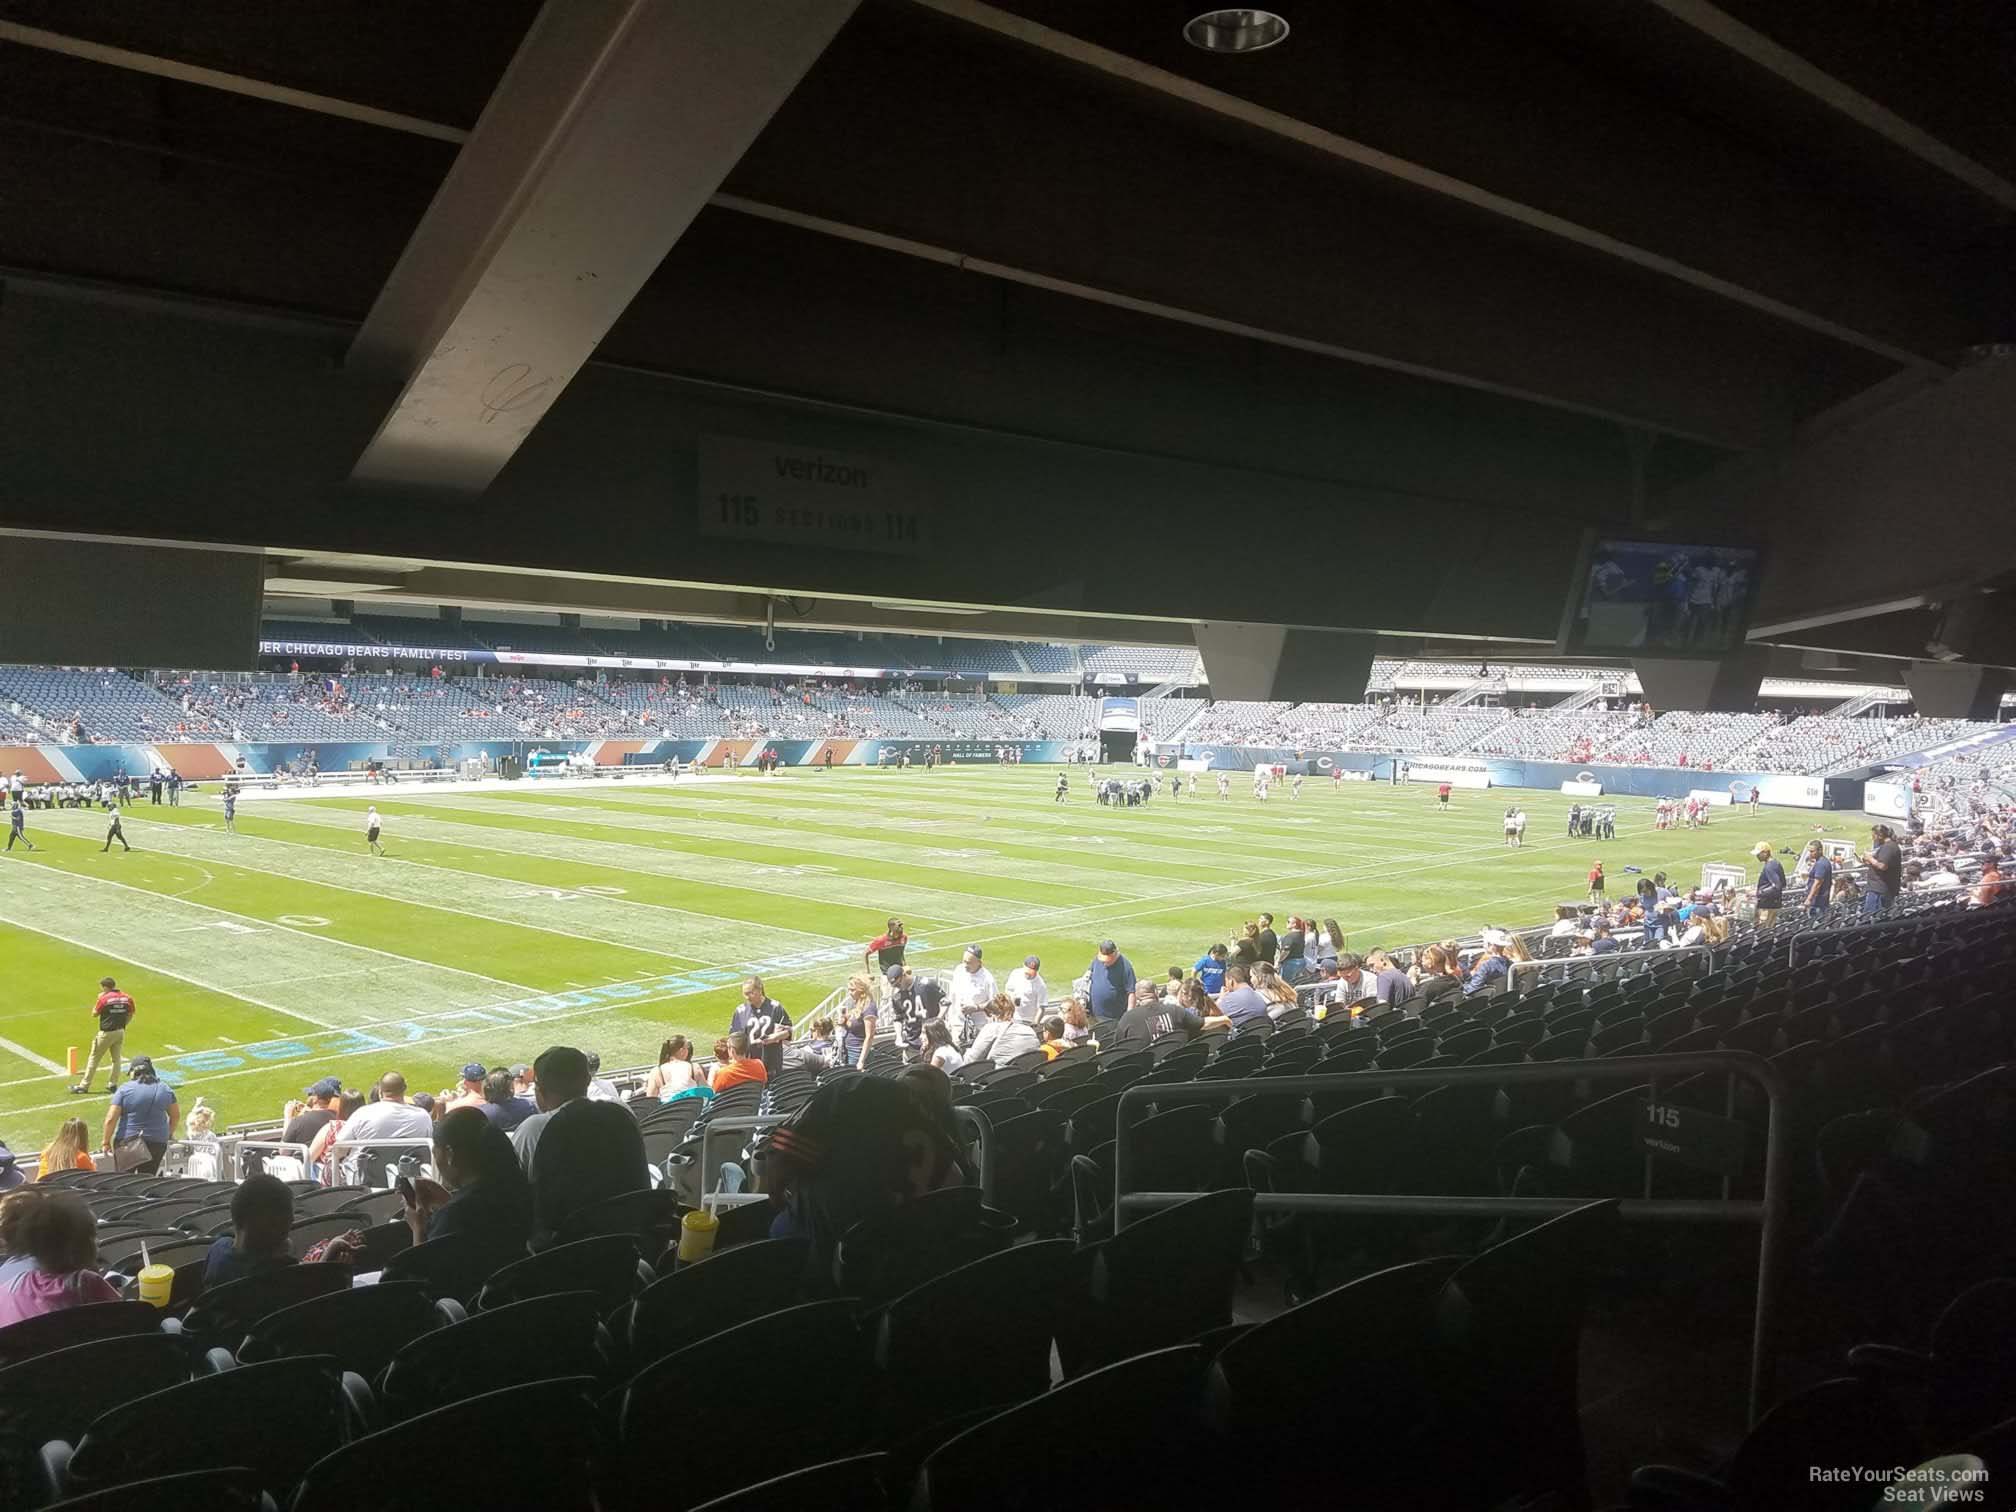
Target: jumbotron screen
(1664, 597)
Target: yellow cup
(156, 1282)
(696, 1235)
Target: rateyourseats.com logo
(1958, 1480)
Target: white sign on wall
(1890, 799)
(808, 496)
(1715, 797)
(1791, 792)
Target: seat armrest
(1889, 1362)
(53, 1466)
(363, 1405)
(1667, 1488)
(452, 1312)
(1260, 1168)
(217, 1360)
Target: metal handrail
(1769, 1214)
(268, 1147)
(1934, 911)
(973, 1119)
(982, 1128)
(1619, 959)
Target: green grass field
(612, 916)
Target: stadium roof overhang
(1356, 333)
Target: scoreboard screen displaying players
(1663, 598)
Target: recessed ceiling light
(1238, 30)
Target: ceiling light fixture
(1237, 30)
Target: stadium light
(1236, 30)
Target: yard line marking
(227, 1039)
(29, 1055)
(171, 840)
(97, 949)
(1137, 839)
(638, 859)
(259, 924)
(176, 1048)
(765, 837)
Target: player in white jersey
(1224, 784)
(373, 828)
(1295, 786)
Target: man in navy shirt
(764, 1020)
(1210, 969)
(1819, 880)
(1770, 883)
(1110, 983)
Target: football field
(610, 916)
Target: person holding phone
(482, 1192)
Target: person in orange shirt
(70, 1150)
(740, 1066)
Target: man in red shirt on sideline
(1442, 796)
(884, 951)
(114, 1011)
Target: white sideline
(261, 789)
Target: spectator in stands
(1770, 885)
(1265, 941)
(820, 1049)
(1390, 985)
(1599, 941)
(600, 1088)
(1992, 888)
(1147, 1021)
(1109, 988)
(1436, 974)
(674, 1072)
(70, 1150)
(1051, 1030)
(1077, 1022)
(262, 1213)
(938, 1047)
(1027, 989)
(763, 1019)
(1267, 982)
(1239, 1004)
(51, 1242)
(860, 1148)
(914, 1001)
(1885, 871)
(470, 1093)
(1210, 969)
(858, 1017)
(886, 949)
(1246, 949)
(348, 1104)
(1293, 961)
(1493, 968)
(1329, 942)
(577, 1151)
(1353, 983)
(143, 1110)
(1819, 880)
(391, 1117)
(742, 1064)
(482, 1191)
(1005, 1035)
(970, 991)
(315, 1114)
(569, 1080)
(501, 1105)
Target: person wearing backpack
(114, 1011)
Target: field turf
(612, 916)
